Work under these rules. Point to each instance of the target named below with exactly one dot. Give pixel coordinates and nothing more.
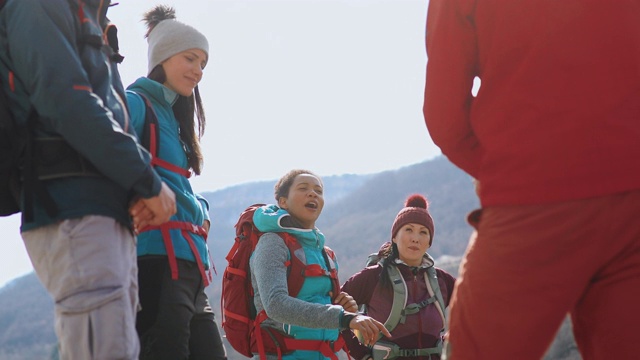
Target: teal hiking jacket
(192, 208)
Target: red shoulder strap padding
(151, 140)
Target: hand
(346, 301)
(140, 214)
(206, 225)
(155, 210)
(369, 328)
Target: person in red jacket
(553, 137)
(417, 336)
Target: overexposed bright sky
(335, 86)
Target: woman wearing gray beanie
(176, 320)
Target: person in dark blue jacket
(176, 320)
(55, 63)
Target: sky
(333, 86)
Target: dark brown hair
(186, 110)
(389, 252)
(284, 184)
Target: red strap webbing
(185, 228)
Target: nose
(198, 71)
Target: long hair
(189, 112)
(388, 252)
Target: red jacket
(557, 116)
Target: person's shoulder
(442, 272)
(369, 271)
(274, 239)
(34, 8)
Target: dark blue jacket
(78, 94)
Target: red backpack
(239, 318)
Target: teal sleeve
(204, 204)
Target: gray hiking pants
(88, 265)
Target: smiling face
(305, 200)
(413, 241)
(184, 71)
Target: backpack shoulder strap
(150, 137)
(431, 278)
(400, 295)
(295, 279)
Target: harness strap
(185, 228)
(414, 308)
(315, 270)
(156, 161)
(326, 348)
(431, 279)
(385, 350)
(400, 295)
(151, 120)
(262, 316)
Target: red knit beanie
(415, 211)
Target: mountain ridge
(357, 217)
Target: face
(184, 71)
(305, 200)
(413, 241)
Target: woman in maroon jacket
(419, 335)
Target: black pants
(176, 321)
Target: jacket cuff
(148, 185)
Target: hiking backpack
(10, 152)
(11, 147)
(383, 349)
(240, 321)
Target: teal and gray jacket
(309, 316)
(192, 208)
(78, 94)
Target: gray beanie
(167, 36)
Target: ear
(282, 203)
(393, 240)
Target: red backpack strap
(185, 228)
(150, 139)
(330, 258)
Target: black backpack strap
(150, 138)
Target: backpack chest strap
(386, 350)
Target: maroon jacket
(420, 330)
(557, 116)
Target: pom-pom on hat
(415, 211)
(167, 36)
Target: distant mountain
(357, 218)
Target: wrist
(346, 319)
